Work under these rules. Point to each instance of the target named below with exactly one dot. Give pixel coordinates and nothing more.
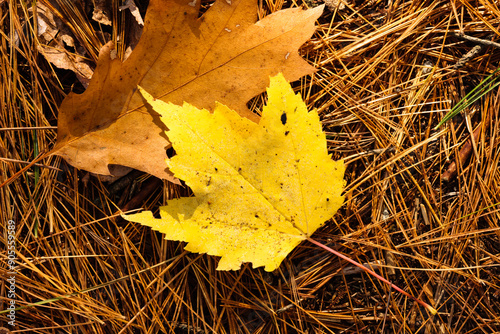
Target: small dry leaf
(101, 12)
(260, 189)
(53, 36)
(130, 5)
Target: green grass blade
(484, 87)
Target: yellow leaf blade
(269, 185)
(221, 238)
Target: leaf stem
(371, 272)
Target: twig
(475, 50)
(478, 40)
(146, 190)
(468, 56)
(463, 155)
(389, 261)
(287, 307)
(354, 270)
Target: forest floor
(420, 200)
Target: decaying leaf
(222, 56)
(130, 4)
(53, 37)
(101, 12)
(260, 189)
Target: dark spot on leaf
(209, 180)
(327, 199)
(239, 169)
(286, 133)
(216, 169)
(283, 118)
(256, 216)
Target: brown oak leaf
(224, 56)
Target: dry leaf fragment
(260, 189)
(222, 56)
(101, 12)
(53, 37)
(61, 58)
(130, 4)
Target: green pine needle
(485, 86)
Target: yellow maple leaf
(260, 189)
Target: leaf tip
(145, 94)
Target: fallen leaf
(101, 12)
(222, 56)
(61, 58)
(130, 4)
(53, 36)
(260, 189)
